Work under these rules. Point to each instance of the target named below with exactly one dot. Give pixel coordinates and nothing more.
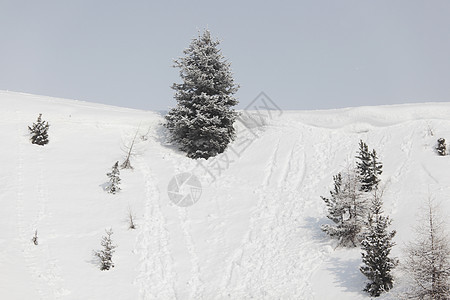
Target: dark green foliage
(375, 170)
(369, 167)
(441, 147)
(202, 122)
(105, 255)
(336, 210)
(39, 132)
(377, 245)
(114, 180)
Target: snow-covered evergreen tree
(368, 166)
(377, 245)
(363, 165)
(114, 179)
(441, 147)
(347, 208)
(428, 258)
(336, 209)
(202, 122)
(39, 132)
(105, 255)
(375, 169)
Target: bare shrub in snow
(131, 219)
(129, 149)
(35, 238)
(427, 260)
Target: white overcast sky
(303, 54)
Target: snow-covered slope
(253, 234)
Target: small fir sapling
(441, 147)
(114, 179)
(39, 132)
(105, 255)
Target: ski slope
(253, 234)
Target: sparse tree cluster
(348, 203)
(202, 122)
(355, 208)
(39, 132)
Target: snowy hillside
(253, 234)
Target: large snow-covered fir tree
(114, 179)
(347, 208)
(39, 132)
(202, 122)
(369, 167)
(377, 245)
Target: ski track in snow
(277, 255)
(406, 147)
(195, 282)
(156, 278)
(43, 268)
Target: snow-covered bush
(39, 132)
(202, 122)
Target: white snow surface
(253, 234)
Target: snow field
(254, 233)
